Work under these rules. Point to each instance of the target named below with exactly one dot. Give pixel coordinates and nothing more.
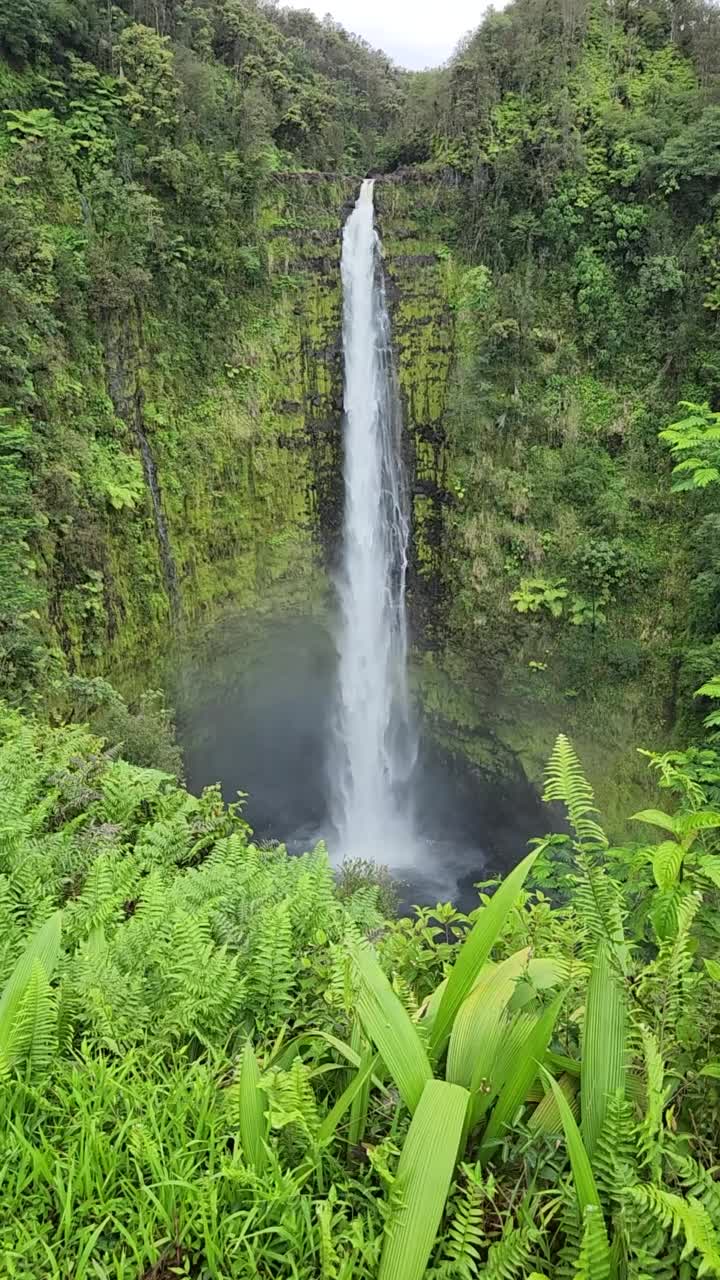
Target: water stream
(374, 746)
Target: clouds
(415, 33)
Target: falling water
(376, 745)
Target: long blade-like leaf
(475, 950)
(587, 1192)
(347, 1097)
(361, 1102)
(424, 1175)
(253, 1122)
(602, 1073)
(546, 1116)
(388, 1025)
(519, 1080)
(473, 1040)
(44, 946)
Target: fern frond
(616, 1155)
(655, 1102)
(700, 1183)
(682, 1215)
(594, 1259)
(32, 1037)
(272, 968)
(465, 1235)
(510, 1257)
(565, 782)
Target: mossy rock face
(415, 216)
(240, 455)
(415, 222)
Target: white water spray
(376, 745)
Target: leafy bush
(143, 731)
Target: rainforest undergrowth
(217, 1061)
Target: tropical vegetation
(218, 1060)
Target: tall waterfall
(376, 747)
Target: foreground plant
(208, 1068)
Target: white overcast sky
(415, 33)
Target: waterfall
(375, 744)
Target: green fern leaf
(566, 783)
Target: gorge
(359, 645)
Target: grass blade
(602, 1073)
(519, 1079)
(474, 952)
(388, 1025)
(424, 1175)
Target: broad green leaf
(361, 1101)
(526, 1066)
(387, 1024)
(511, 1036)
(656, 818)
(709, 866)
(542, 973)
(253, 1121)
(667, 859)
(713, 968)
(475, 950)
(424, 1175)
(585, 1187)
(711, 1069)
(475, 1034)
(603, 1056)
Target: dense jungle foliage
(587, 137)
(217, 1062)
(220, 1061)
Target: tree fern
(566, 783)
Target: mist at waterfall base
(255, 713)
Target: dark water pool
(253, 714)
